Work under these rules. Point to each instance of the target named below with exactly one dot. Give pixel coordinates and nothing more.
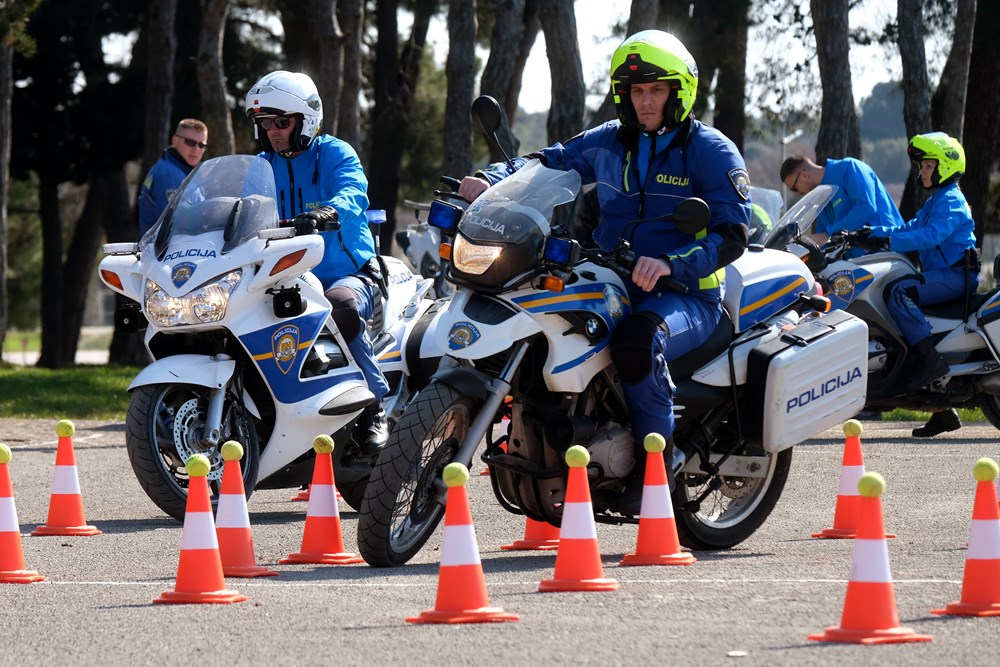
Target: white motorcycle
(966, 332)
(419, 243)
(242, 341)
(532, 318)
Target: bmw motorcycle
(966, 332)
(242, 343)
(526, 336)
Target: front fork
(497, 390)
(213, 418)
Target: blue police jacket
(861, 199)
(162, 181)
(941, 232)
(698, 161)
(328, 173)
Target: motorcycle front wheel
(405, 497)
(732, 512)
(165, 425)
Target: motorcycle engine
(612, 449)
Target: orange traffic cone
(322, 539)
(981, 583)
(199, 571)
(11, 552)
(538, 536)
(578, 561)
(845, 514)
(66, 503)
(461, 593)
(870, 615)
(658, 543)
(232, 520)
(301, 496)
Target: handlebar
(622, 261)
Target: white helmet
(282, 93)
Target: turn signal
(287, 261)
(444, 251)
(111, 278)
(553, 284)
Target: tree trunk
(563, 48)
(981, 120)
(107, 195)
(948, 105)
(395, 81)
(505, 41)
(839, 132)
(529, 32)
(212, 77)
(331, 62)
(117, 224)
(159, 94)
(51, 355)
(731, 87)
(351, 16)
(916, 87)
(461, 72)
(642, 16)
(6, 93)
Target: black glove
(319, 218)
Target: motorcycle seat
(954, 310)
(716, 344)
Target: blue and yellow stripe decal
(764, 299)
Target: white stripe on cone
(232, 512)
(8, 516)
(871, 562)
(65, 481)
(849, 476)
(199, 532)
(322, 501)
(984, 540)
(578, 522)
(656, 503)
(458, 546)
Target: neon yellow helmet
(946, 150)
(654, 55)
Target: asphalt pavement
(752, 605)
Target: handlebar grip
(450, 182)
(672, 284)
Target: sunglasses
(191, 143)
(281, 122)
(795, 183)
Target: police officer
(652, 157)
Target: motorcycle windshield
(800, 218)
(234, 194)
(524, 207)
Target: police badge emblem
(741, 182)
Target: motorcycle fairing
(846, 285)
(990, 311)
(279, 350)
(762, 300)
(196, 369)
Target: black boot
(940, 422)
(372, 430)
(926, 365)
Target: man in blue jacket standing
(319, 179)
(861, 198)
(186, 149)
(943, 233)
(643, 164)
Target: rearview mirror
(486, 110)
(691, 215)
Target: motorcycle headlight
(204, 305)
(471, 258)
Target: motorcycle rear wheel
(734, 511)
(404, 501)
(990, 405)
(163, 427)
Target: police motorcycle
(531, 322)
(242, 343)
(420, 242)
(966, 332)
